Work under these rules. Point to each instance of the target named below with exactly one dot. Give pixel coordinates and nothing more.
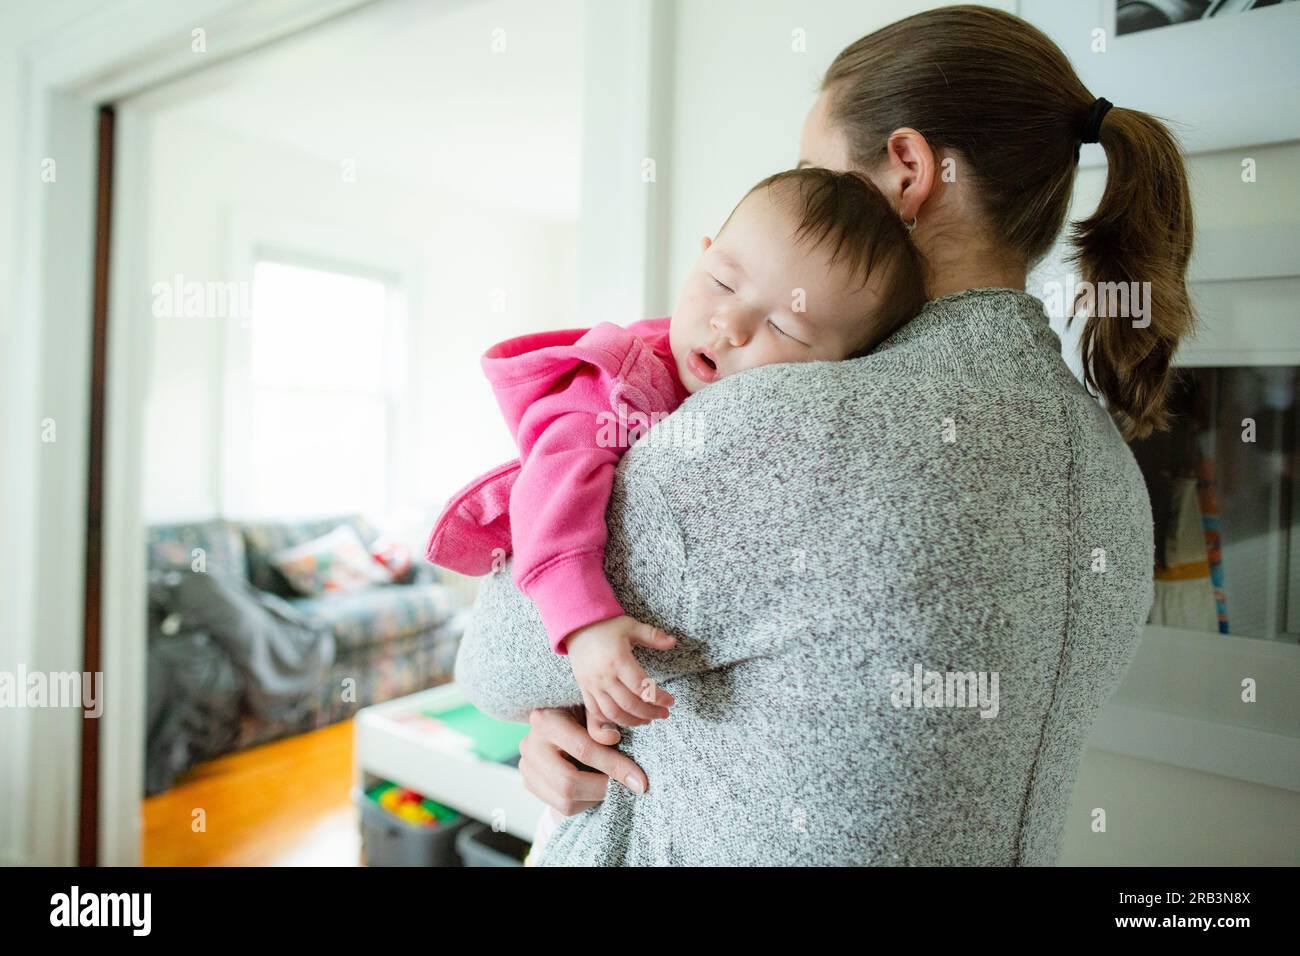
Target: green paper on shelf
(496, 740)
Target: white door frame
(124, 48)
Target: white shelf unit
(386, 748)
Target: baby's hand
(615, 687)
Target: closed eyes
(783, 331)
(779, 330)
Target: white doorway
(123, 56)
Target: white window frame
(254, 237)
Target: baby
(810, 265)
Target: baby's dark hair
(848, 209)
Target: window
(323, 380)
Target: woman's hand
(551, 777)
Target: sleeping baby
(811, 265)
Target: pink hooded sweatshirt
(568, 398)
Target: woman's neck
(959, 280)
(954, 266)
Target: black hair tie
(1092, 129)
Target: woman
(858, 544)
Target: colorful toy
(410, 806)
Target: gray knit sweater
(815, 533)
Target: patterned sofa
(390, 640)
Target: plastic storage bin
(479, 845)
(388, 840)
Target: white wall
(1159, 815)
(204, 176)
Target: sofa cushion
(171, 547)
(263, 540)
(395, 668)
(375, 615)
(334, 562)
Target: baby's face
(756, 297)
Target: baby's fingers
(652, 637)
(635, 679)
(630, 702)
(610, 706)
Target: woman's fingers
(559, 730)
(556, 782)
(599, 727)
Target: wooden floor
(282, 804)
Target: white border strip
(1243, 753)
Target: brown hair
(848, 209)
(988, 85)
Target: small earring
(911, 226)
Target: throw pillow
(337, 561)
(393, 555)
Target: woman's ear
(908, 177)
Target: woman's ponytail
(1135, 249)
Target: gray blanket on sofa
(219, 645)
(281, 654)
